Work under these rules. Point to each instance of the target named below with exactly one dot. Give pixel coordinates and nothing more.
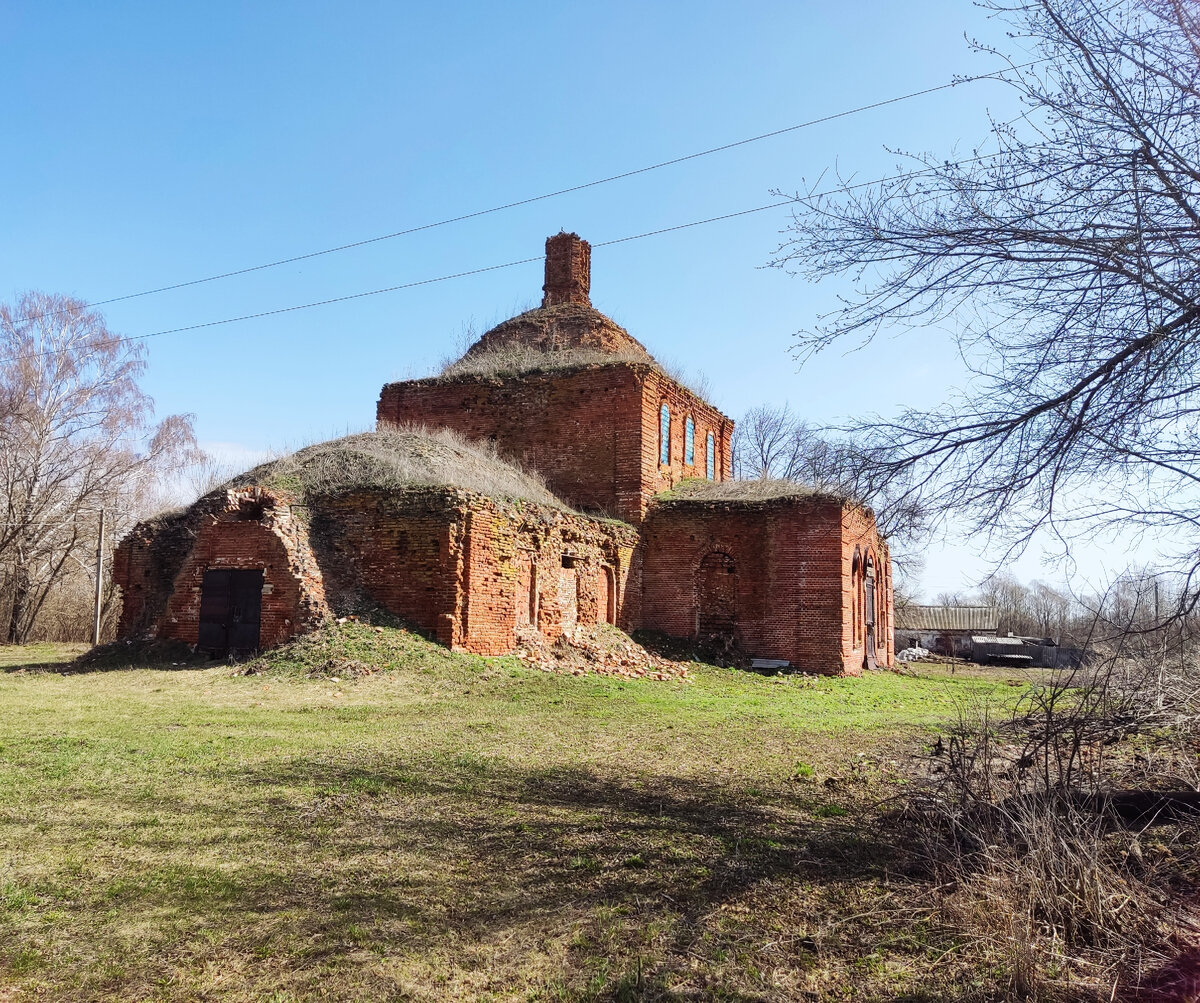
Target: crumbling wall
(860, 541)
(160, 565)
(532, 567)
(399, 550)
(243, 528)
(788, 560)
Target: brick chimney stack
(568, 270)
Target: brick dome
(566, 321)
(560, 328)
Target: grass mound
(398, 459)
(358, 646)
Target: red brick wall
(580, 428)
(660, 389)
(593, 433)
(254, 529)
(463, 567)
(401, 551)
(860, 540)
(559, 556)
(160, 567)
(793, 579)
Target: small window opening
(251, 511)
(711, 458)
(689, 441)
(664, 435)
(568, 560)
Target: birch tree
(77, 434)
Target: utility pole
(99, 580)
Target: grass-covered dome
(398, 459)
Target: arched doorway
(869, 610)
(717, 595)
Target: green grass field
(459, 828)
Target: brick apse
(638, 522)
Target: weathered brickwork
(458, 565)
(594, 432)
(568, 270)
(659, 390)
(160, 568)
(803, 579)
(786, 578)
(581, 429)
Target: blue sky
(149, 144)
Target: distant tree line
(1133, 611)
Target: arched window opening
(689, 441)
(855, 599)
(869, 610)
(711, 458)
(606, 603)
(664, 435)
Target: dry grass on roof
(516, 360)
(765, 489)
(399, 459)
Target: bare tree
(767, 441)
(76, 435)
(1065, 255)
(771, 441)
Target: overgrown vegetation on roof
(515, 360)
(399, 459)
(762, 489)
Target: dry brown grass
(400, 459)
(523, 360)
(1042, 866)
(762, 489)
(519, 360)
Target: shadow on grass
(484, 875)
(124, 655)
(51, 666)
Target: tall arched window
(711, 459)
(664, 435)
(689, 441)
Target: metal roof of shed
(964, 618)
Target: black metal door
(230, 604)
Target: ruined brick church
(553, 477)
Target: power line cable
(507, 264)
(957, 81)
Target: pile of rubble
(598, 650)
